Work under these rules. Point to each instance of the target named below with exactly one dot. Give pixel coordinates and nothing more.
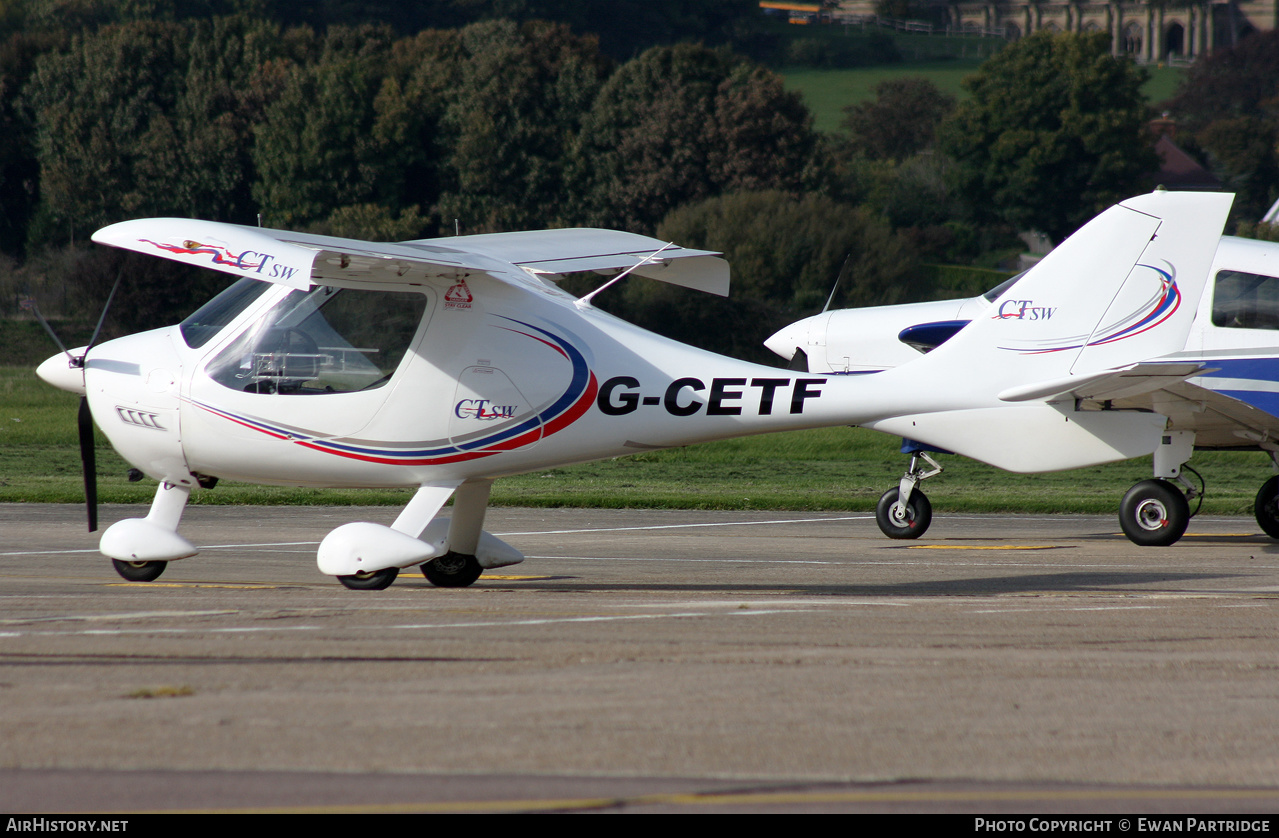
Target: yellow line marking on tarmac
(264, 586)
(979, 547)
(766, 798)
(231, 585)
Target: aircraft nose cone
(788, 339)
(57, 370)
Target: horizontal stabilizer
(1106, 386)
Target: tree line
(386, 132)
(361, 132)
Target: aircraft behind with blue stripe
(1217, 387)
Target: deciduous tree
(681, 124)
(104, 136)
(1228, 105)
(786, 254)
(1054, 131)
(900, 121)
(513, 111)
(149, 118)
(1242, 80)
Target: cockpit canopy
(325, 340)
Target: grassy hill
(828, 92)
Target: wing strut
(585, 302)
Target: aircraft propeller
(84, 420)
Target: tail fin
(1122, 289)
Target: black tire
(139, 571)
(1154, 513)
(374, 580)
(919, 514)
(1266, 507)
(452, 570)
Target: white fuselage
(405, 379)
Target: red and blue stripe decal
(1165, 306)
(217, 254)
(1161, 307)
(566, 409)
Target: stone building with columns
(1148, 30)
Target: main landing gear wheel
(1154, 513)
(909, 523)
(452, 570)
(139, 571)
(374, 580)
(1266, 507)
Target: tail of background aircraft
(1121, 290)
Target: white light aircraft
(1218, 388)
(445, 364)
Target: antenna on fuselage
(834, 287)
(585, 302)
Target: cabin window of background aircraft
(1245, 301)
(326, 340)
(213, 316)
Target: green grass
(829, 469)
(828, 92)
(1163, 83)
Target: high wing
(1218, 420)
(559, 252)
(301, 260)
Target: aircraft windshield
(998, 291)
(326, 340)
(1245, 301)
(213, 316)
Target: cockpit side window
(1245, 301)
(213, 316)
(326, 340)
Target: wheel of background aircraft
(374, 580)
(1266, 507)
(139, 571)
(1154, 513)
(919, 514)
(452, 570)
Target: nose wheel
(374, 580)
(908, 520)
(139, 571)
(1154, 513)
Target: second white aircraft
(1214, 387)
